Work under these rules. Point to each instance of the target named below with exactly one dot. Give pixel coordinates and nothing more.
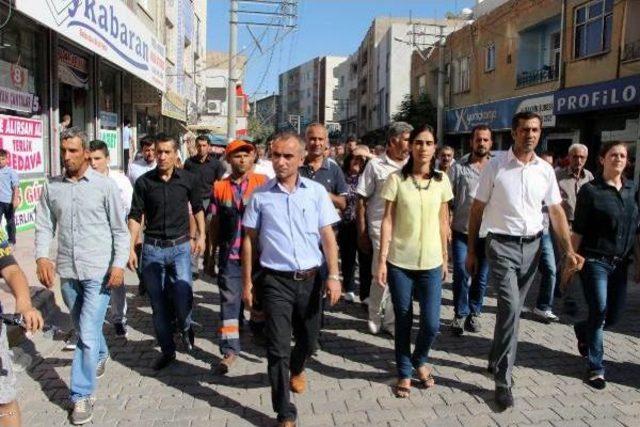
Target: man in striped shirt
(229, 198)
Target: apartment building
(576, 62)
(307, 93)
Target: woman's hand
(381, 274)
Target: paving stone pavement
(349, 378)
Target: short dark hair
(548, 153)
(477, 128)
(524, 115)
(203, 137)
(147, 141)
(3, 152)
(287, 134)
(163, 137)
(97, 144)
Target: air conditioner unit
(214, 107)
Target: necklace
(418, 187)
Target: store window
(592, 33)
(22, 93)
(75, 97)
(109, 111)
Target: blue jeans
(87, 301)
(605, 289)
(468, 294)
(427, 287)
(547, 269)
(167, 274)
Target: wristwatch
(333, 277)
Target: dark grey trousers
(512, 267)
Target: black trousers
(348, 244)
(289, 306)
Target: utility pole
(264, 13)
(440, 104)
(232, 80)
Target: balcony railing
(534, 77)
(631, 51)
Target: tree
(417, 112)
(257, 130)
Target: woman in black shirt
(604, 231)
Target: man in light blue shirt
(9, 195)
(291, 217)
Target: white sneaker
(545, 315)
(374, 328)
(349, 296)
(71, 341)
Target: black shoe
(457, 326)
(504, 398)
(597, 382)
(142, 289)
(163, 361)
(472, 323)
(188, 339)
(121, 330)
(583, 349)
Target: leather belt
(298, 275)
(517, 239)
(165, 243)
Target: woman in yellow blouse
(413, 254)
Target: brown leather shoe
(226, 363)
(287, 423)
(298, 383)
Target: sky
(324, 28)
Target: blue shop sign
(617, 93)
(498, 114)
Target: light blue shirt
(87, 217)
(289, 224)
(126, 137)
(8, 181)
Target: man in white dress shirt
(99, 159)
(510, 194)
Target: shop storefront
(460, 121)
(100, 53)
(606, 111)
(24, 121)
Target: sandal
(401, 391)
(426, 381)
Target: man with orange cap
(228, 200)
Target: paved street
(349, 377)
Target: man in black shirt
(162, 195)
(208, 169)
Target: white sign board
(108, 28)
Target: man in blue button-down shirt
(84, 208)
(290, 216)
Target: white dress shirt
(514, 192)
(139, 167)
(370, 187)
(125, 187)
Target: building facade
(213, 112)
(382, 64)
(104, 64)
(307, 93)
(265, 110)
(575, 62)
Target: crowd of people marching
(296, 224)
